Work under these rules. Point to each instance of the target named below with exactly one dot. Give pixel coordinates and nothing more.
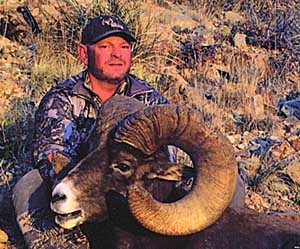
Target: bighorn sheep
(118, 179)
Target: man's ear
(82, 52)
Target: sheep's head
(131, 158)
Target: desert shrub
(16, 135)
(249, 78)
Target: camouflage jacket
(66, 119)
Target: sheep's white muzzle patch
(68, 214)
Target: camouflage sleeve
(156, 98)
(57, 138)
(150, 96)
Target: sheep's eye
(124, 167)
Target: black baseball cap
(103, 26)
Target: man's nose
(116, 52)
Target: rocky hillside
(228, 71)
(235, 61)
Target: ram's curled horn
(212, 156)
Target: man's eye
(103, 46)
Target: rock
(293, 171)
(235, 139)
(242, 146)
(291, 124)
(233, 17)
(294, 140)
(257, 202)
(251, 166)
(261, 145)
(281, 187)
(289, 108)
(240, 40)
(35, 12)
(248, 136)
(282, 150)
(51, 10)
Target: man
(65, 121)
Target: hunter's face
(109, 59)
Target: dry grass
(236, 86)
(50, 66)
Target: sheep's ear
(167, 171)
(170, 172)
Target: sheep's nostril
(58, 197)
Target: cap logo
(110, 22)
